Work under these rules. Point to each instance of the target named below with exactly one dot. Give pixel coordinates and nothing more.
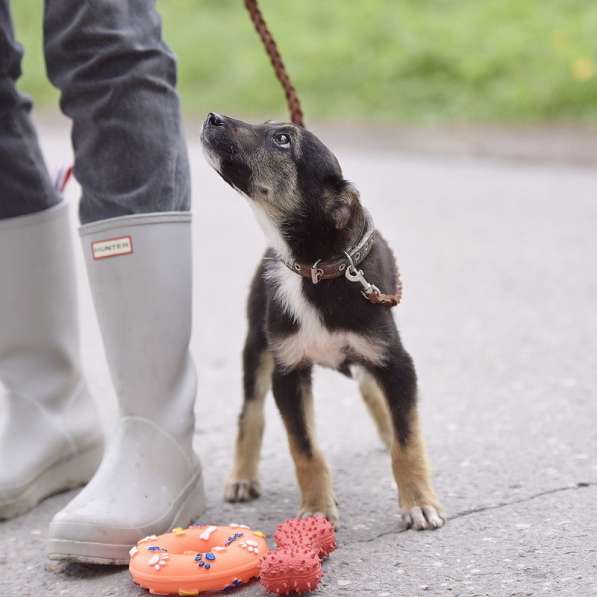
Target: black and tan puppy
(304, 309)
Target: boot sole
(62, 476)
(88, 552)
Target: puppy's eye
(282, 140)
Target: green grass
(394, 60)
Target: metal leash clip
(353, 274)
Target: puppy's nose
(215, 119)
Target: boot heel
(67, 474)
(80, 468)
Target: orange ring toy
(197, 559)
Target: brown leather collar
(335, 268)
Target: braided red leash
(294, 104)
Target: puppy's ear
(343, 203)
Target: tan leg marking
(243, 483)
(376, 403)
(419, 506)
(312, 472)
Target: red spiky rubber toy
(295, 566)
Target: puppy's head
(292, 179)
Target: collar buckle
(316, 272)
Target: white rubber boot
(140, 271)
(50, 439)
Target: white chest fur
(313, 341)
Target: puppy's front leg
(419, 506)
(293, 395)
(243, 484)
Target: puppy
(317, 297)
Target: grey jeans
(118, 85)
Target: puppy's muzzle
(213, 125)
(216, 136)
(215, 119)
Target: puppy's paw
(422, 517)
(330, 512)
(242, 490)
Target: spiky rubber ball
(295, 565)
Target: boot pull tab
(63, 175)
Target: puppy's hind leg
(419, 507)
(243, 484)
(375, 401)
(292, 392)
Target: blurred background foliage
(425, 61)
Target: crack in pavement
(479, 509)
(579, 485)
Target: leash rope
(269, 43)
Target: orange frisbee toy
(197, 559)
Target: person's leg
(118, 84)
(49, 440)
(25, 186)
(117, 81)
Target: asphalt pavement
(498, 260)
